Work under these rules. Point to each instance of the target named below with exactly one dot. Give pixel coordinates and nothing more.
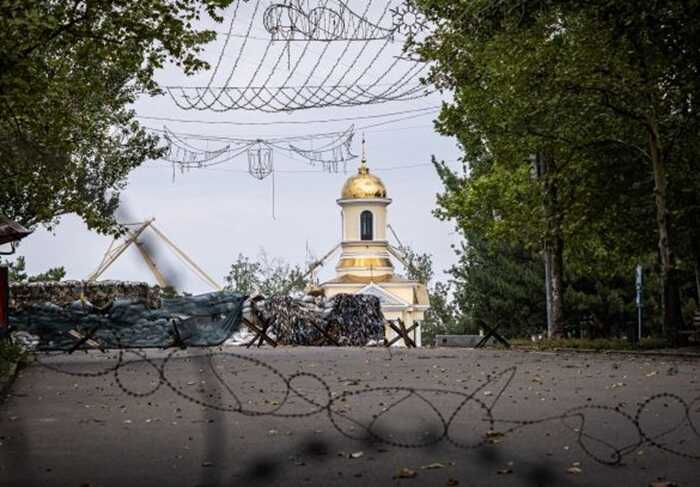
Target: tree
(18, 274)
(69, 71)
(244, 276)
(572, 83)
(265, 276)
(443, 316)
(501, 285)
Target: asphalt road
(365, 417)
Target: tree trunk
(4, 301)
(557, 278)
(553, 246)
(697, 278)
(671, 303)
(695, 249)
(547, 256)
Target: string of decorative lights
(342, 55)
(314, 21)
(330, 156)
(154, 165)
(432, 108)
(274, 69)
(288, 139)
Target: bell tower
(363, 202)
(365, 265)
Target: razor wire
(450, 420)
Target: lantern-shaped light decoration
(260, 163)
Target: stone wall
(98, 293)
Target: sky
(216, 213)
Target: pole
(194, 266)
(4, 301)
(113, 254)
(548, 288)
(639, 285)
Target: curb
(647, 353)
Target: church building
(365, 265)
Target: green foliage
(69, 72)
(18, 274)
(10, 355)
(604, 92)
(419, 267)
(444, 316)
(500, 285)
(265, 276)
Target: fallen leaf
(297, 461)
(663, 483)
(432, 466)
(452, 482)
(494, 437)
(406, 473)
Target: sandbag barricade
(205, 320)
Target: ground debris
(663, 483)
(494, 437)
(406, 473)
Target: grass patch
(650, 343)
(10, 354)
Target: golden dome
(363, 185)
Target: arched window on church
(366, 225)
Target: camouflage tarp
(345, 319)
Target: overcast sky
(214, 214)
